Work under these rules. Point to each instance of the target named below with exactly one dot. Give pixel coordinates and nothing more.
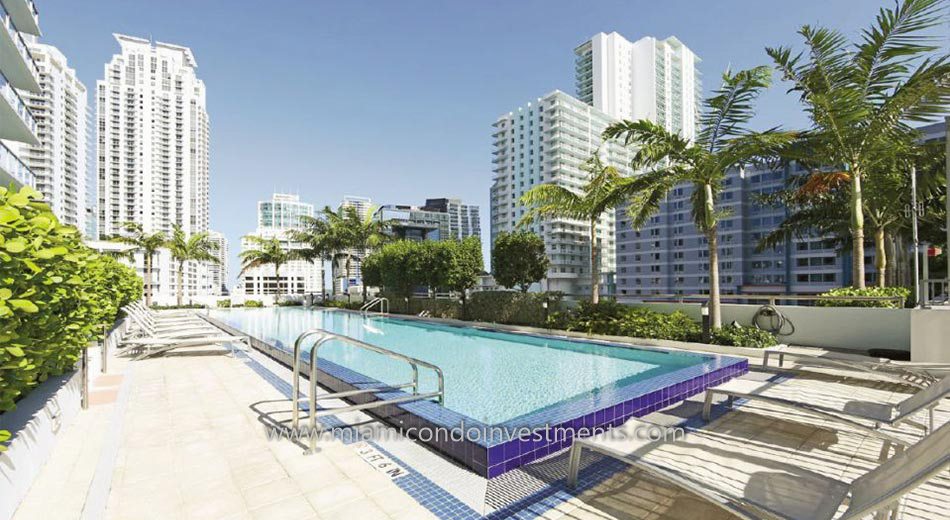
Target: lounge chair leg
(707, 405)
(573, 465)
(885, 451)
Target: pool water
(490, 376)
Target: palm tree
(269, 251)
(197, 247)
(861, 98)
(353, 236)
(668, 159)
(315, 233)
(148, 244)
(597, 197)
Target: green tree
(467, 266)
(266, 251)
(861, 98)
(518, 259)
(148, 244)
(197, 247)
(667, 160)
(396, 267)
(596, 198)
(353, 236)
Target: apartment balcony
(13, 169)
(16, 121)
(16, 62)
(25, 16)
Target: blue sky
(394, 100)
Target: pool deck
(182, 436)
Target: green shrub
(289, 303)
(901, 292)
(253, 303)
(736, 336)
(56, 294)
(224, 303)
(513, 308)
(611, 318)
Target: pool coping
(555, 426)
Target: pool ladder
(324, 336)
(381, 301)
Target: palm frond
(730, 108)
(896, 39)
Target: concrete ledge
(36, 423)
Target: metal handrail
(324, 337)
(383, 305)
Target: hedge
(902, 292)
(55, 294)
(614, 319)
(513, 307)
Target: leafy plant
(736, 336)
(513, 307)
(882, 292)
(614, 319)
(224, 303)
(253, 303)
(518, 259)
(861, 97)
(56, 294)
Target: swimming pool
(493, 378)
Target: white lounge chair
(142, 326)
(160, 319)
(916, 374)
(154, 346)
(752, 487)
(840, 408)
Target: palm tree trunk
(894, 272)
(148, 279)
(857, 231)
(715, 314)
(594, 264)
(181, 267)
(323, 280)
(880, 256)
(277, 276)
(364, 288)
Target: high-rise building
(548, 141)
(59, 161)
(18, 70)
(218, 271)
(153, 139)
(669, 255)
(415, 223)
(464, 220)
(646, 79)
(152, 150)
(277, 218)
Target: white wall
(849, 328)
(930, 335)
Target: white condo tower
(153, 139)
